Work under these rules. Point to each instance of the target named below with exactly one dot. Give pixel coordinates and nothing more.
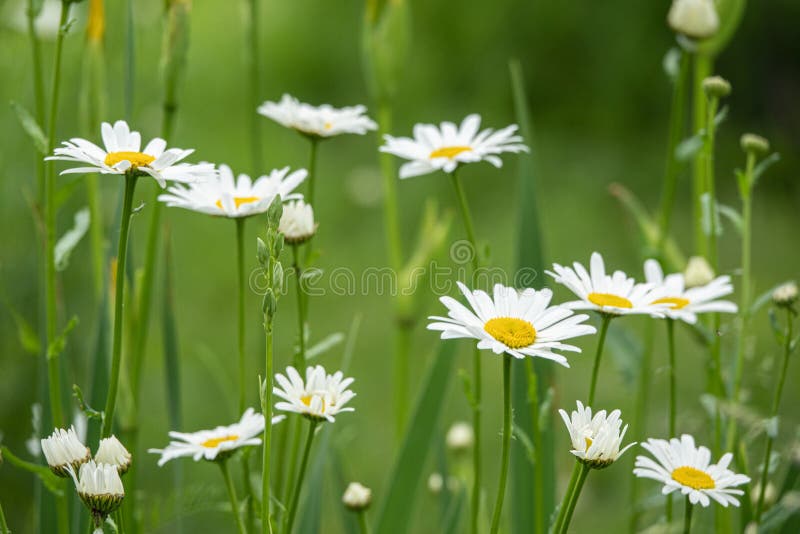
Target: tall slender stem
(241, 330)
(312, 178)
(38, 93)
(300, 360)
(402, 341)
(362, 522)
(687, 517)
(3, 524)
(564, 506)
(298, 484)
(466, 217)
(266, 408)
(119, 300)
(501, 489)
(253, 73)
(237, 517)
(390, 215)
(584, 472)
(538, 473)
(702, 69)
(672, 398)
(601, 341)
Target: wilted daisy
(518, 323)
(684, 304)
(218, 443)
(100, 488)
(297, 222)
(123, 153)
(615, 294)
(227, 196)
(317, 121)
(682, 466)
(595, 440)
(63, 449)
(320, 396)
(112, 452)
(447, 146)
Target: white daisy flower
(317, 121)
(448, 146)
(684, 304)
(112, 452)
(297, 222)
(123, 153)
(518, 323)
(595, 440)
(218, 443)
(357, 496)
(63, 449)
(99, 487)
(615, 294)
(683, 466)
(320, 396)
(225, 196)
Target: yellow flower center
(214, 442)
(449, 151)
(239, 201)
(588, 443)
(514, 333)
(328, 125)
(607, 299)
(676, 302)
(306, 399)
(137, 159)
(694, 478)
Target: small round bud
(754, 143)
(698, 272)
(716, 87)
(460, 437)
(785, 294)
(297, 222)
(696, 19)
(357, 497)
(435, 483)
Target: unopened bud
(716, 87)
(357, 497)
(785, 294)
(435, 483)
(460, 437)
(698, 272)
(754, 143)
(696, 19)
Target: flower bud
(99, 487)
(785, 294)
(63, 450)
(698, 272)
(357, 497)
(460, 437)
(297, 222)
(716, 87)
(435, 483)
(754, 143)
(112, 452)
(696, 19)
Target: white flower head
(112, 452)
(595, 440)
(680, 465)
(317, 121)
(785, 294)
(123, 153)
(46, 24)
(518, 323)
(218, 443)
(63, 449)
(447, 146)
(460, 436)
(684, 304)
(226, 196)
(609, 294)
(357, 496)
(99, 487)
(297, 222)
(698, 272)
(696, 19)
(319, 397)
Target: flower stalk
(579, 475)
(298, 483)
(601, 341)
(501, 489)
(237, 517)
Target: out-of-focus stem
(501, 488)
(241, 323)
(237, 517)
(298, 484)
(601, 341)
(38, 94)
(702, 69)
(253, 74)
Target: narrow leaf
(58, 345)
(765, 164)
(67, 243)
(688, 148)
(31, 127)
(324, 345)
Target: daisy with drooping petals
(609, 294)
(517, 323)
(682, 466)
(112, 452)
(297, 222)
(216, 444)
(448, 146)
(100, 488)
(684, 304)
(319, 397)
(123, 153)
(231, 197)
(595, 440)
(317, 121)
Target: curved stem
(584, 472)
(601, 341)
(562, 509)
(119, 299)
(298, 485)
(241, 330)
(687, 518)
(223, 465)
(501, 489)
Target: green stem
(776, 401)
(584, 472)
(4, 526)
(298, 484)
(293, 458)
(562, 509)
(119, 299)
(538, 473)
(702, 69)
(390, 215)
(687, 518)
(501, 489)
(463, 207)
(672, 375)
(601, 341)
(266, 408)
(362, 522)
(312, 178)
(223, 465)
(38, 92)
(709, 187)
(300, 360)
(401, 351)
(241, 330)
(253, 68)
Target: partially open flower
(112, 452)
(63, 449)
(297, 222)
(785, 294)
(754, 143)
(460, 437)
(100, 488)
(595, 440)
(319, 397)
(357, 497)
(696, 19)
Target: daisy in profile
(516, 323)
(297, 222)
(63, 450)
(320, 397)
(123, 153)
(317, 121)
(684, 304)
(447, 146)
(682, 466)
(595, 439)
(609, 294)
(231, 197)
(218, 443)
(100, 488)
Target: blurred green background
(599, 100)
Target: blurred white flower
(225, 196)
(447, 146)
(297, 222)
(46, 23)
(112, 452)
(697, 19)
(698, 272)
(435, 483)
(595, 440)
(460, 436)
(785, 294)
(320, 396)
(63, 450)
(317, 121)
(357, 496)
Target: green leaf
(67, 243)
(688, 148)
(324, 345)
(310, 521)
(53, 483)
(58, 345)
(31, 127)
(763, 165)
(453, 515)
(404, 483)
(25, 333)
(732, 215)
